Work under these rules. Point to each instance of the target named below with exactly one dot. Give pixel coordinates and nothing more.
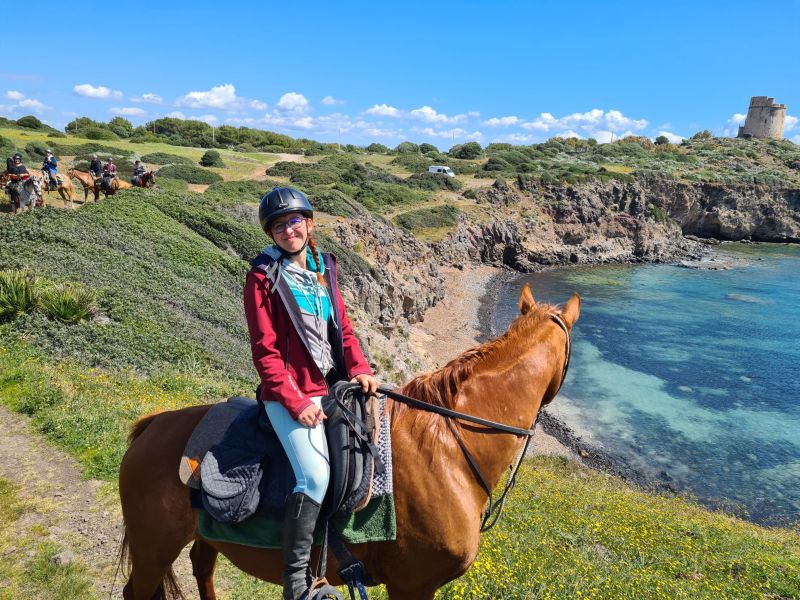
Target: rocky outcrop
(600, 222)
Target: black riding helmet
(282, 201)
(17, 156)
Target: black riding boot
(298, 535)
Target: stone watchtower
(764, 119)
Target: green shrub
(468, 151)
(379, 196)
(378, 148)
(36, 150)
(336, 203)
(18, 293)
(56, 134)
(357, 174)
(68, 302)
(211, 158)
(415, 163)
(407, 147)
(189, 174)
(496, 163)
(470, 194)
(433, 182)
(7, 148)
(245, 148)
(29, 122)
(98, 133)
(426, 148)
(661, 140)
(162, 158)
(428, 218)
(703, 135)
(86, 150)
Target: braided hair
(317, 261)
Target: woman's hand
(369, 385)
(311, 416)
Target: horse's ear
(571, 310)
(526, 301)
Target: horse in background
(113, 186)
(64, 187)
(145, 180)
(438, 498)
(24, 193)
(87, 181)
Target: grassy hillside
(167, 267)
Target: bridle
(494, 508)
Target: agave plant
(18, 293)
(68, 302)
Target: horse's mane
(441, 387)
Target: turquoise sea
(688, 375)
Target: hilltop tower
(764, 119)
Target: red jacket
(288, 373)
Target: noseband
(494, 509)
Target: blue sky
(441, 72)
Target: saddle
(235, 458)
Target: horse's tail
(169, 588)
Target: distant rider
(17, 173)
(138, 171)
(50, 168)
(96, 166)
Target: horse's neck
(511, 395)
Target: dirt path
(77, 517)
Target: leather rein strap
(494, 509)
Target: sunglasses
(293, 223)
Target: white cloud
(148, 98)
(517, 138)
(293, 102)
(672, 137)
(90, 91)
(128, 111)
(304, 122)
(23, 104)
(378, 133)
(502, 121)
(429, 115)
(796, 139)
(257, 105)
(474, 114)
(222, 97)
(603, 137)
(175, 114)
(592, 123)
(32, 104)
(210, 119)
(457, 133)
(383, 110)
(240, 120)
(789, 123)
(731, 128)
(569, 134)
(331, 101)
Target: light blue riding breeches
(306, 448)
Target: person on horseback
(109, 173)
(16, 171)
(138, 171)
(96, 166)
(302, 341)
(50, 169)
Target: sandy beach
(453, 325)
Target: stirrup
(322, 590)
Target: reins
(494, 508)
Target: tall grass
(18, 293)
(68, 302)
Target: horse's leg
(204, 560)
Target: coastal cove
(685, 376)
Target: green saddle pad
(375, 523)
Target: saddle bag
(351, 448)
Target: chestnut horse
(438, 499)
(145, 179)
(64, 188)
(87, 181)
